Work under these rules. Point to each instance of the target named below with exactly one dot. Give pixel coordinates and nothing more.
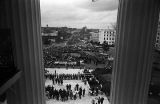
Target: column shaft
(26, 25)
(137, 22)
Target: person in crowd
(85, 81)
(56, 94)
(96, 91)
(67, 94)
(74, 95)
(55, 72)
(77, 87)
(101, 100)
(93, 101)
(92, 89)
(71, 94)
(64, 95)
(80, 92)
(67, 86)
(84, 92)
(60, 93)
(53, 81)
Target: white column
(26, 25)
(137, 24)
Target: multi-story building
(49, 37)
(107, 35)
(94, 36)
(157, 44)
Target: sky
(79, 13)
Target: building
(157, 43)
(94, 36)
(49, 37)
(107, 35)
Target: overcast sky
(79, 13)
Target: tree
(105, 46)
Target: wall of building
(94, 36)
(107, 35)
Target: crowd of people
(72, 92)
(98, 100)
(95, 86)
(53, 54)
(65, 94)
(65, 76)
(94, 91)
